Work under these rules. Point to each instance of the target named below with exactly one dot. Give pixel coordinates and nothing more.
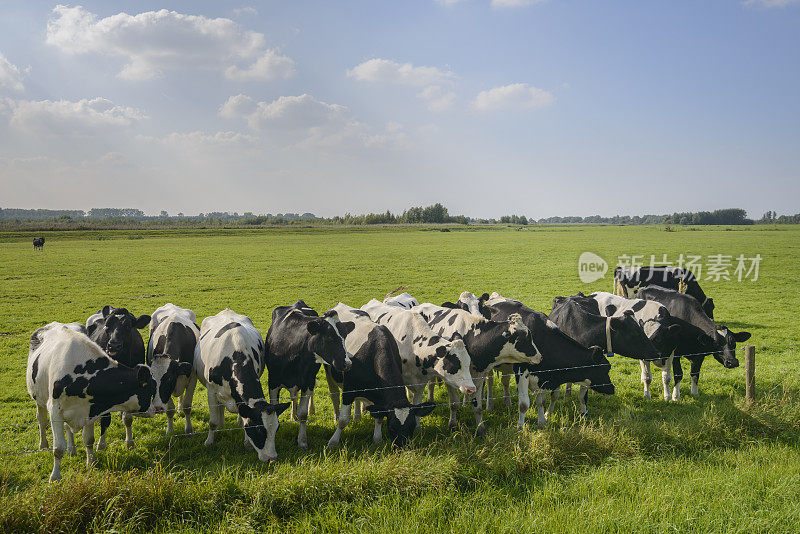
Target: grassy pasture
(703, 464)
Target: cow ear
(491, 310)
(245, 410)
(615, 324)
(184, 368)
(741, 336)
(484, 297)
(143, 375)
(142, 321)
(278, 408)
(421, 410)
(449, 304)
(456, 335)
(345, 327)
(376, 411)
(105, 311)
(314, 326)
(610, 310)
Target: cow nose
(467, 390)
(158, 409)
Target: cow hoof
(54, 478)
(129, 444)
(647, 395)
(208, 443)
(303, 445)
(481, 431)
(189, 429)
(44, 446)
(71, 451)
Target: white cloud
(305, 122)
(157, 41)
(65, 117)
(387, 71)
(514, 96)
(199, 140)
(515, 3)
(770, 3)
(10, 77)
(247, 10)
(438, 98)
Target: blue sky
(555, 107)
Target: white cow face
(452, 364)
(260, 423)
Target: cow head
(171, 377)
(599, 373)
(726, 346)
(260, 421)
(453, 363)
(327, 340)
(115, 334)
(628, 338)
(401, 422)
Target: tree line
(433, 214)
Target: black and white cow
(688, 308)
(423, 353)
(667, 277)
(403, 300)
(375, 378)
(489, 344)
(170, 355)
(73, 381)
(579, 318)
(298, 342)
(564, 360)
(116, 330)
(660, 328)
(229, 361)
(38, 243)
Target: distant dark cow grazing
(668, 278)
(686, 307)
(298, 342)
(376, 378)
(489, 344)
(229, 361)
(170, 355)
(73, 381)
(564, 360)
(38, 243)
(116, 330)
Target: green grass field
(703, 464)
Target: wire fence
(533, 368)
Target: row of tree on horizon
(434, 214)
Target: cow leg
(646, 377)
(358, 409)
(677, 373)
(666, 377)
(377, 434)
(312, 408)
(186, 402)
(293, 397)
(70, 441)
(344, 418)
(128, 420)
(505, 379)
(59, 443)
(583, 396)
(568, 389)
(42, 419)
(431, 389)
(523, 395)
(216, 416)
(489, 391)
(170, 415)
(553, 398)
(477, 408)
(240, 422)
(454, 401)
(302, 417)
(333, 390)
(540, 397)
(694, 372)
(88, 442)
(417, 395)
(105, 422)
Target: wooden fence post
(750, 374)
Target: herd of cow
(374, 357)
